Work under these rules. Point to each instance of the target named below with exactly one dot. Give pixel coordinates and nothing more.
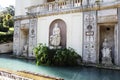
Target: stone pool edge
(100, 66)
(25, 74)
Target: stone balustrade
(65, 6)
(55, 6)
(10, 76)
(61, 6)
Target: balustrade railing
(55, 6)
(61, 6)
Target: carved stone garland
(16, 38)
(89, 45)
(32, 36)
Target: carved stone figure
(105, 44)
(106, 50)
(106, 54)
(25, 50)
(55, 37)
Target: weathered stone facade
(87, 24)
(105, 26)
(25, 35)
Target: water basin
(67, 73)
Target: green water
(67, 73)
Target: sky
(6, 3)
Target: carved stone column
(90, 33)
(16, 41)
(32, 36)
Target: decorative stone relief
(32, 36)
(90, 24)
(16, 44)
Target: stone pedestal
(107, 61)
(55, 47)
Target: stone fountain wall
(6, 47)
(25, 37)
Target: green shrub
(41, 53)
(57, 57)
(67, 57)
(4, 29)
(6, 37)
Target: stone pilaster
(16, 38)
(90, 37)
(118, 37)
(32, 36)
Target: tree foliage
(6, 24)
(6, 18)
(9, 10)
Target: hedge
(4, 29)
(6, 38)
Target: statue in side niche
(55, 38)
(25, 50)
(106, 53)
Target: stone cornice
(22, 17)
(108, 19)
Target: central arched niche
(63, 31)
